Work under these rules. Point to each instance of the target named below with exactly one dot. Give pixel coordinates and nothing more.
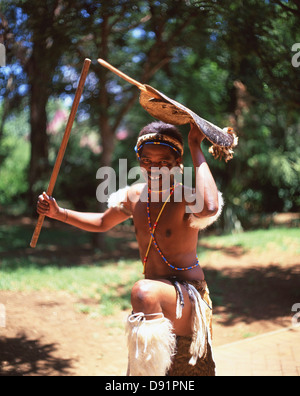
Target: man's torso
(174, 236)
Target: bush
(15, 155)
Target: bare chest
(169, 221)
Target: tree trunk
(108, 144)
(39, 166)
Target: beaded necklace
(152, 231)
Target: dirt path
(45, 334)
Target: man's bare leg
(153, 326)
(153, 296)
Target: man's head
(159, 147)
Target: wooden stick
(122, 75)
(61, 153)
(143, 87)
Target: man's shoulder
(135, 192)
(137, 188)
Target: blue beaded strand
(156, 245)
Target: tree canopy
(229, 61)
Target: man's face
(158, 161)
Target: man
(172, 303)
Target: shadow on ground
(252, 294)
(21, 356)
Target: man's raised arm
(207, 203)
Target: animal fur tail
(151, 345)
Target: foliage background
(229, 61)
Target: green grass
(258, 240)
(18, 237)
(106, 285)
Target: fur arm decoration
(118, 199)
(204, 222)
